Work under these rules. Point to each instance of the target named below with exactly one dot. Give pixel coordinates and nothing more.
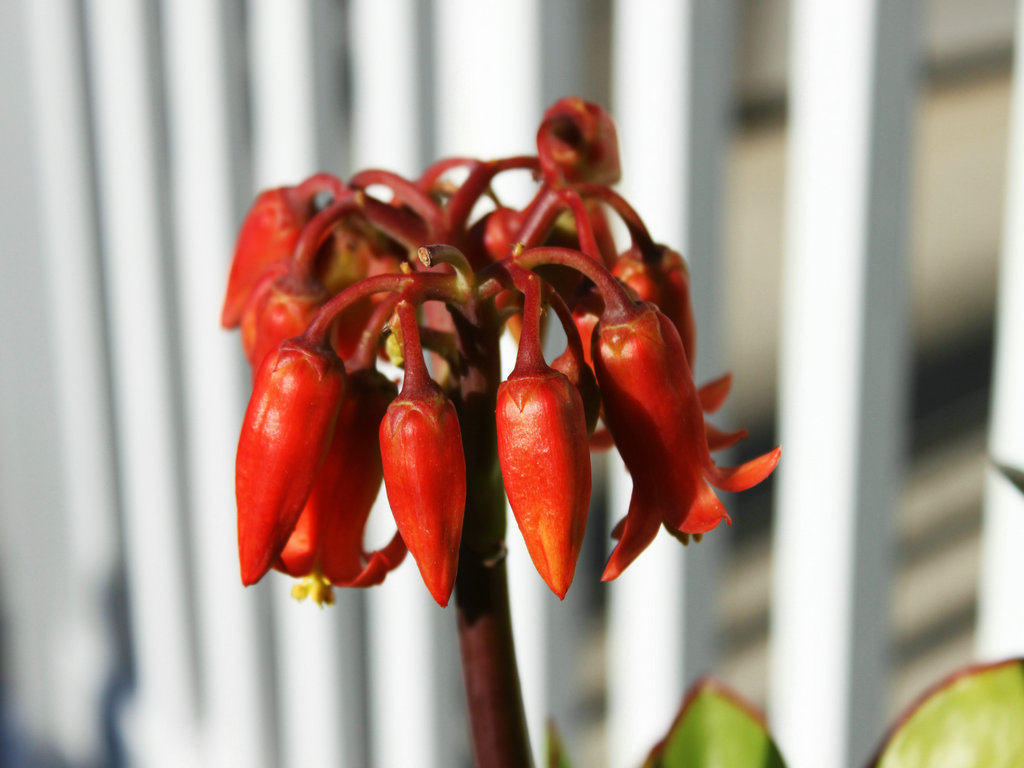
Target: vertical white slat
(407, 675)
(82, 662)
(125, 136)
(842, 375)
(488, 106)
(32, 484)
(1000, 618)
(234, 686)
(320, 711)
(670, 86)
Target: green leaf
(1014, 475)
(716, 729)
(557, 757)
(974, 719)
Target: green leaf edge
(711, 686)
(935, 689)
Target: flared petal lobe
(545, 464)
(285, 437)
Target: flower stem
(497, 720)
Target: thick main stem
(497, 720)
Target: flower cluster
(328, 279)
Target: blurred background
(837, 175)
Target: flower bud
(425, 468)
(285, 437)
(577, 143)
(425, 479)
(662, 279)
(277, 312)
(545, 464)
(268, 234)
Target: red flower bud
(285, 437)
(268, 234)
(280, 310)
(424, 468)
(662, 279)
(545, 463)
(653, 410)
(581, 376)
(577, 142)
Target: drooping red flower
(285, 438)
(424, 468)
(327, 540)
(268, 235)
(653, 410)
(544, 456)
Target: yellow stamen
(314, 586)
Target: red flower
(268, 234)
(545, 463)
(285, 438)
(653, 410)
(544, 455)
(327, 543)
(424, 468)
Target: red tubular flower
(268, 234)
(328, 538)
(285, 437)
(577, 142)
(544, 456)
(424, 468)
(653, 410)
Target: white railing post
(842, 375)
(1000, 618)
(82, 662)
(234, 684)
(164, 729)
(410, 676)
(670, 93)
(321, 717)
(487, 105)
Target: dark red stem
(637, 229)
(366, 351)
(406, 192)
(618, 305)
(420, 285)
(530, 358)
(459, 208)
(497, 721)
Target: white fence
(135, 135)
